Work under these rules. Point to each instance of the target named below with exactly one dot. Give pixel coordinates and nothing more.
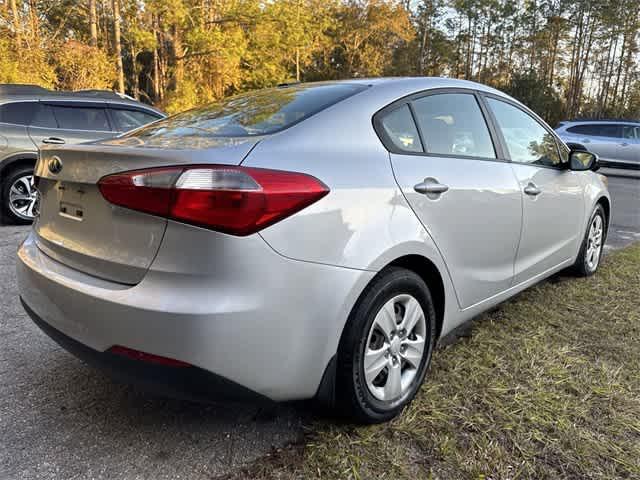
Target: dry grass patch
(547, 386)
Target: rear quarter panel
(364, 222)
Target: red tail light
(234, 200)
(146, 357)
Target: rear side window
(400, 129)
(43, 117)
(453, 124)
(630, 132)
(129, 119)
(250, 114)
(18, 113)
(597, 130)
(527, 140)
(81, 118)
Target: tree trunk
(156, 62)
(93, 23)
(16, 22)
(118, 44)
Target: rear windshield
(250, 114)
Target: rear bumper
(191, 383)
(229, 306)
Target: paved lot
(61, 419)
(625, 224)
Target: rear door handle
(586, 140)
(430, 186)
(532, 190)
(53, 141)
(624, 144)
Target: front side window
(250, 114)
(18, 113)
(401, 130)
(129, 119)
(453, 124)
(527, 140)
(81, 118)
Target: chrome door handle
(53, 141)
(532, 190)
(430, 185)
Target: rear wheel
(386, 347)
(19, 196)
(591, 249)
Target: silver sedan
(310, 240)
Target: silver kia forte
(306, 241)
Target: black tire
(354, 399)
(7, 181)
(582, 267)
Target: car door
(453, 177)
(69, 122)
(553, 196)
(629, 148)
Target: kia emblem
(55, 165)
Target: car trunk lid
(79, 228)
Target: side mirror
(581, 160)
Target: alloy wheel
(594, 242)
(395, 348)
(23, 197)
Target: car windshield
(251, 114)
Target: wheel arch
(15, 160)
(431, 275)
(427, 270)
(606, 206)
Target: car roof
(19, 92)
(420, 83)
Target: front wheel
(386, 347)
(19, 196)
(591, 249)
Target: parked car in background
(32, 116)
(616, 142)
(309, 240)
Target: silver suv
(31, 116)
(617, 142)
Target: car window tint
(43, 117)
(401, 130)
(249, 114)
(630, 132)
(582, 129)
(130, 119)
(19, 113)
(453, 124)
(81, 118)
(596, 130)
(527, 140)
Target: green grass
(547, 386)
